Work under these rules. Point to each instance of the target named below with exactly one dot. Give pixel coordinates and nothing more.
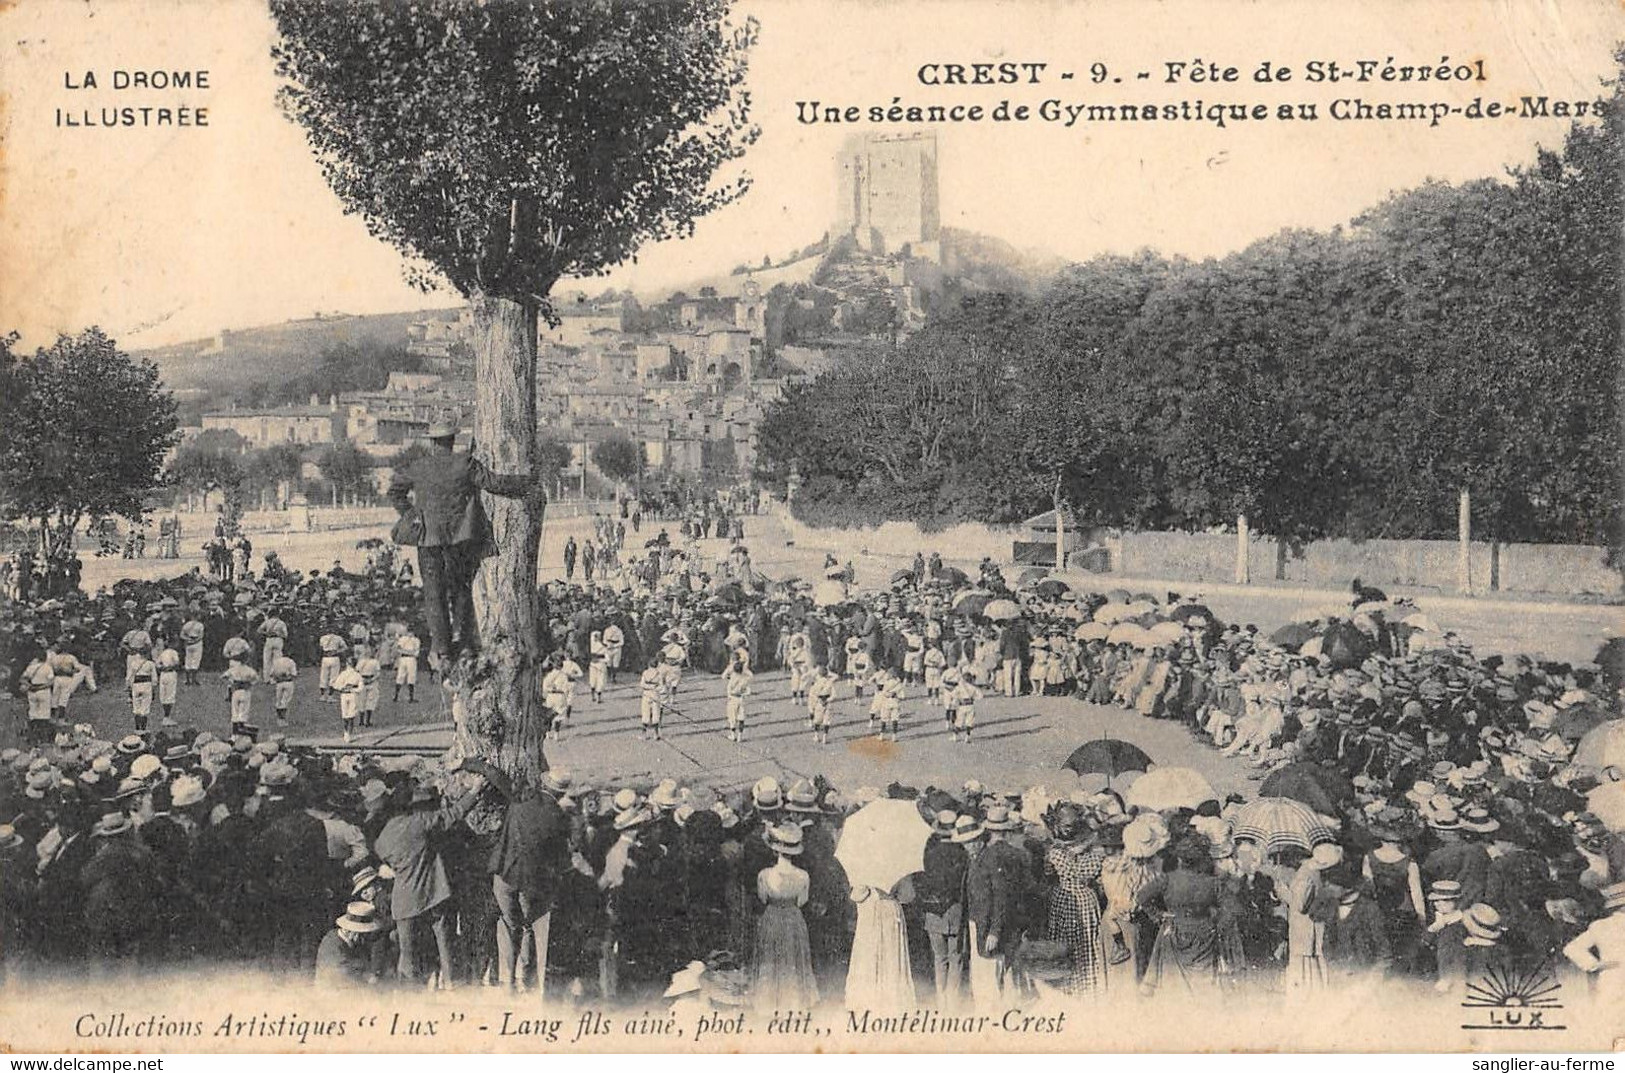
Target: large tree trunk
(498, 711)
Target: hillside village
(686, 378)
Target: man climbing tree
(501, 147)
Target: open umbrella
(1052, 588)
(1126, 633)
(1092, 631)
(1002, 610)
(1185, 611)
(1031, 574)
(1118, 596)
(1321, 788)
(1166, 632)
(1603, 746)
(1607, 803)
(1107, 756)
(1169, 787)
(1420, 621)
(1142, 607)
(882, 842)
(1292, 636)
(972, 602)
(1345, 645)
(1278, 823)
(952, 575)
(902, 575)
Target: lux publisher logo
(1513, 1000)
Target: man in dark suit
(444, 486)
(998, 888)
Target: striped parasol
(1278, 823)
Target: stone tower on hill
(886, 197)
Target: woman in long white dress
(878, 976)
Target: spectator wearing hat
(1395, 889)
(451, 532)
(784, 968)
(940, 898)
(122, 886)
(285, 868)
(1461, 855)
(530, 854)
(345, 958)
(998, 890)
(422, 886)
(1306, 925)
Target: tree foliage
(505, 145)
(86, 428)
(1348, 383)
(347, 468)
(617, 457)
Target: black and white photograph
(740, 526)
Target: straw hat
(557, 781)
(1444, 890)
(766, 794)
(186, 790)
(1479, 820)
(942, 826)
(1000, 818)
(111, 824)
(1443, 819)
(802, 797)
(784, 838)
(363, 879)
(1482, 921)
(9, 838)
(1326, 855)
(666, 795)
(967, 829)
(361, 918)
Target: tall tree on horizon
(501, 147)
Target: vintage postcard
(839, 526)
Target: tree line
(1325, 384)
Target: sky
(164, 234)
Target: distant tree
(503, 147)
(84, 429)
(201, 468)
(347, 468)
(407, 456)
(552, 456)
(219, 440)
(617, 457)
(268, 469)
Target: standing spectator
(422, 887)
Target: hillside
(992, 264)
(276, 352)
